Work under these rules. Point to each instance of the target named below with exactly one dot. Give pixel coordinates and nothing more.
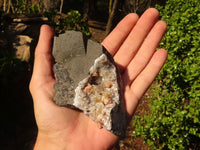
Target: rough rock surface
(88, 79)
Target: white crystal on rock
(100, 91)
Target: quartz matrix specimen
(88, 79)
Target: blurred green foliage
(73, 20)
(24, 8)
(174, 119)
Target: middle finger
(136, 37)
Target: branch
(111, 16)
(35, 19)
(8, 10)
(12, 8)
(4, 6)
(110, 6)
(61, 6)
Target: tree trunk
(137, 6)
(49, 5)
(113, 11)
(121, 8)
(36, 2)
(88, 9)
(61, 6)
(8, 9)
(110, 6)
(4, 6)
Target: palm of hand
(132, 44)
(68, 124)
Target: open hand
(133, 45)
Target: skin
(133, 45)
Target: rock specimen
(88, 79)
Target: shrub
(174, 120)
(72, 21)
(24, 8)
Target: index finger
(115, 39)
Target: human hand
(132, 43)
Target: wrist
(56, 141)
(50, 143)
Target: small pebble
(106, 100)
(88, 88)
(108, 85)
(100, 124)
(95, 74)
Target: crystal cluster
(95, 87)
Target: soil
(129, 143)
(97, 30)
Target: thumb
(42, 71)
(43, 55)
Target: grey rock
(88, 79)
